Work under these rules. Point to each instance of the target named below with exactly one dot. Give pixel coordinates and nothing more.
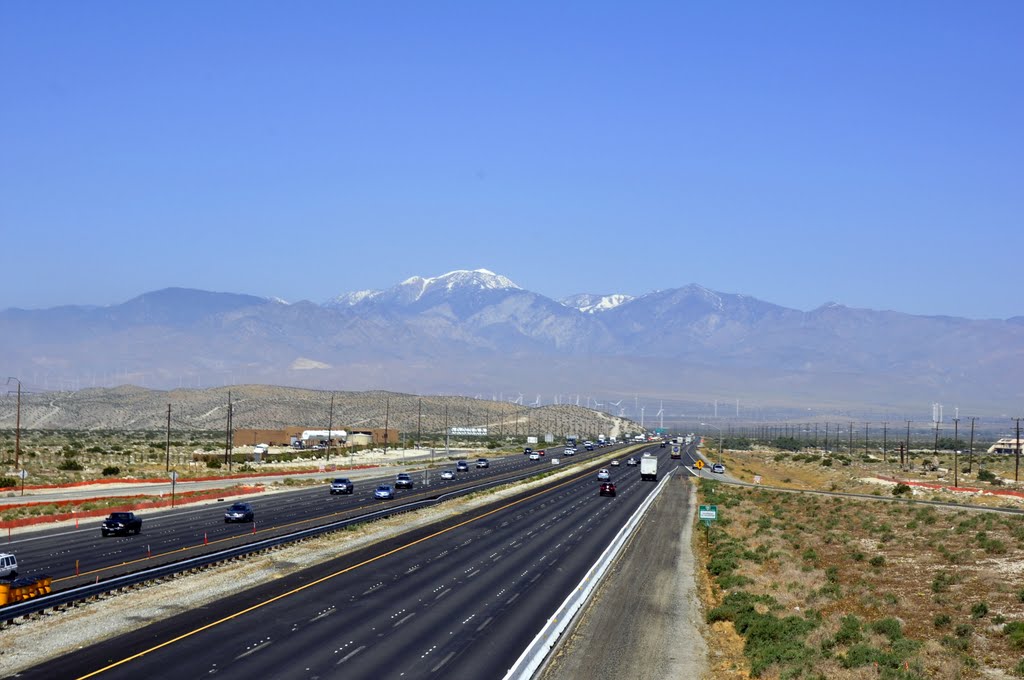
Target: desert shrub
(827, 462)
(213, 464)
(849, 631)
(769, 639)
(70, 464)
(942, 620)
(11, 481)
(902, 489)
(889, 627)
(942, 581)
(877, 561)
(979, 610)
(963, 630)
(1015, 632)
(111, 471)
(986, 476)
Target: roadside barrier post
(76, 567)
(206, 541)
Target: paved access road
(460, 600)
(172, 535)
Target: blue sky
(800, 152)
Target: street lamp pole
(720, 444)
(17, 427)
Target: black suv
(239, 512)
(462, 466)
(403, 481)
(121, 523)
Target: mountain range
(476, 331)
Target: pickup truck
(121, 523)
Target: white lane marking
(260, 645)
(473, 574)
(442, 662)
(402, 620)
(350, 655)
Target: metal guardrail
(530, 661)
(62, 598)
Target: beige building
(1006, 445)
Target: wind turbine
(536, 401)
(519, 399)
(616, 403)
(661, 415)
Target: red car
(540, 452)
(607, 489)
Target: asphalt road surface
(456, 600)
(72, 556)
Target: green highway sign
(708, 513)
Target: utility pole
(1016, 464)
(815, 435)
(865, 440)
(908, 446)
(956, 450)
(447, 451)
(849, 448)
(885, 432)
(387, 413)
(228, 436)
(168, 467)
(330, 428)
(419, 422)
(826, 436)
(970, 460)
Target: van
(8, 565)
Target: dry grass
(951, 579)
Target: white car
(569, 451)
(534, 456)
(718, 468)
(604, 475)
(8, 565)
(447, 474)
(615, 463)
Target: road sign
(23, 473)
(757, 479)
(699, 465)
(708, 512)
(675, 448)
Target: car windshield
(239, 506)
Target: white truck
(649, 468)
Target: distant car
(384, 492)
(614, 463)
(8, 565)
(403, 481)
(631, 461)
(121, 523)
(718, 467)
(569, 451)
(342, 485)
(661, 445)
(535, 456)
(607, 489)
(540, 452)
(603, 475)
(589, 446)
(527, 450)
(482, 463)
(239, 512)
(462, 466)
(447, 474)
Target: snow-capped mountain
(417, 288)
(589, 303)
(435, 333)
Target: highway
(458, 599)
(74, 556)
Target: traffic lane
(68, 555)
(371, 604)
